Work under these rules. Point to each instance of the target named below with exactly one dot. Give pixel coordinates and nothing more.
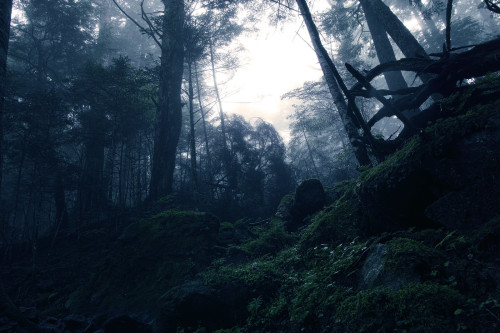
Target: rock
(7, 325)
(309, 198)
(447, 177)
(125, 324)
(398, 263)
(472, 195)
(373, 267)
(194, 305)
(76, 323)
(284, 208)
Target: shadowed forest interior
(132, 198)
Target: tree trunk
(192, 136)
(5, 14)
(207, 148)
(169, 114)
(398, 32)
(385, 52)
(329, 72)
(221, 112)
(310, 152)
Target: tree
(5, 14)
(318, 148)
(396, 29)
(169, 116)
(385, 52)
(334, 81)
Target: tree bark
(329, 71)
(5, 14)
(406, 42)
(385, 52)
(169, 115)
(207, 148)
(192, 135)
(221, 112)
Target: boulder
(446, 177)
(193, 305)
(398, 263)
(309, 198)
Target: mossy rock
(486, 239)
(152, 256)
(444, 177)
(309, 198)
(405, 261)
(339, 222)
(421, 307)
(226, 232)
(284, 208)
(271, 240)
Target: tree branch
(152, 28)
(148, 32)
(449, 7)
(379, 97)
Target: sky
(275, 61)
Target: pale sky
(276, 60)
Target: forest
(132, 200)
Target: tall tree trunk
(330, 72)
(429, 29)
(207, 148)
(385, 52)
(192, 136)
(169, 114)
(397, 30)
(5, 14)
(309, 150)
(217, 95)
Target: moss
(153, 255)
(421, 307)
(405, 253)
(444, 132)
(284, 208)
(226, 232)
(485, 240)
(395, 168)
(339, 222)
(286, 200)
(270, 241)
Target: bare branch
(148, 32)
(393, 109)
(279, 3)
(152, 28)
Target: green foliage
(337, 223)
(421, 307)
(405, 253)
(154, 254)
(271, 241)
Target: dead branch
(148, 31)
(372, 91)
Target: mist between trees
(109, 107)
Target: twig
(453, 49)
(279, 3)
(146, 31)
(153, 30)
(491, 313)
